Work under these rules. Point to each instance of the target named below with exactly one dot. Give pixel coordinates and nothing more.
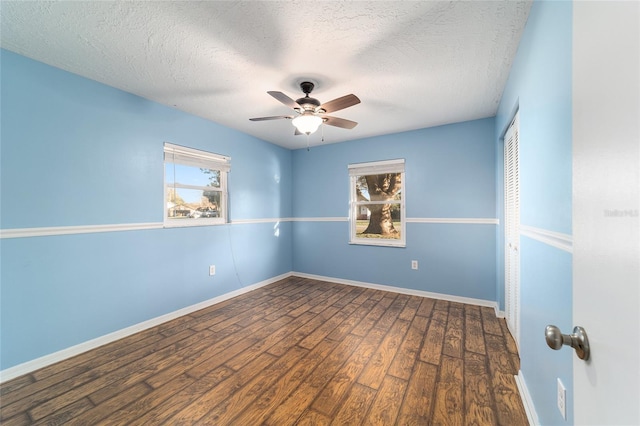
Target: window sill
(187, 223)
(374, 242)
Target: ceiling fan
(310, 113)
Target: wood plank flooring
(296, 352)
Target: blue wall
(540, 86)
(449, 173)
(76, 152)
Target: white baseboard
(411, 292)
(33, 365)
(529, 408)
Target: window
(195, 186)
(376, 215)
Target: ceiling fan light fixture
(310, 112)
(307, 123)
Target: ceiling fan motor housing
(308, 103)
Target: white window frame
(176, 154)
(375, 168)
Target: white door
(512, 229)
(606, 204)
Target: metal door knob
(578, 340)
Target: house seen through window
(377, 206)
(195, 186)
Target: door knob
(577, 340)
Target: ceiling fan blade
(339, 122)
(285, 99)
(340, 103)
(275, 117)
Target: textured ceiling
(413, 64)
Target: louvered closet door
(512, 229)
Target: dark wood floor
(298, 352)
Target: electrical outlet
(562, 399)
(212, 270)
(414, 264)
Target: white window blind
(196, 158)
(377, 167)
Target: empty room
(310, 213)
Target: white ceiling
(412, 64)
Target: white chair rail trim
(121, 227)
(552, 238)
